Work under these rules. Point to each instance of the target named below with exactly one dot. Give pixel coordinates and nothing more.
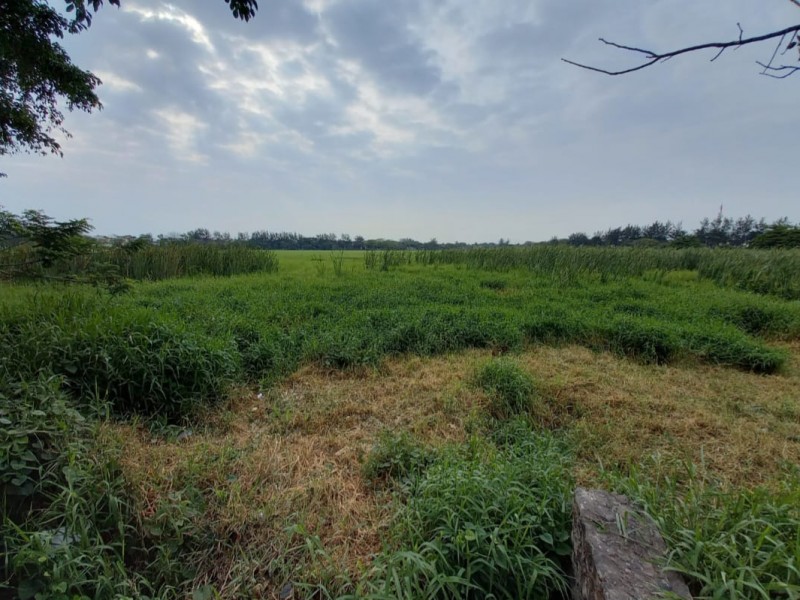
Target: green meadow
(398, 424)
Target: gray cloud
(420, 118)
(377, 35)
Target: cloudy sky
(453, 119)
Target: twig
(789, 70)
(654, 57)
(774, 54)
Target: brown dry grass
(743, 428)
(294, 455)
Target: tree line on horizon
(720, 231)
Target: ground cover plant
(482, 521)
(762, 271)
(238, 426)
(165, 261)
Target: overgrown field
(761, 271)
(399, 425)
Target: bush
(482, 523)
(69, 530)
(64, 530)
(37, 424)
(511, 390)
(727, 543)
(136, 360)
(396, 457)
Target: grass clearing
(295, 456)
(303, 427)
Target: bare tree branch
(786, 70)
(652, 57)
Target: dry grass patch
(742, 427)
(293, 456)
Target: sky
(453, 119)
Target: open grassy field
(396, 425)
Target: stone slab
(616, 551)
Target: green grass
(726, 543)
(510, 388)
(168, 347)
(482, 521)
(486, 518)
(396, 457)
(763, 271)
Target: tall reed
(775, 272)
(181, 260)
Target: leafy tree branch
(36, 73)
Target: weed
(482, 522)
(732, 544)
(337, 260)
(396, 457)
(510, 388)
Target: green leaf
(29, 588)
(204, 592)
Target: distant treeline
(284, 240)
(720, 231)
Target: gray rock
(616, 551)
(287, 592)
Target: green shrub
(727, 543)
(68, 528)
(396, 457)
(482, 523)
(136, 360)
(65, 513)
(510, 388)
(37, 424)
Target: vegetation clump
(510, 388)
(482, 522)
(488, 517)
(727, 543)
(396, 457)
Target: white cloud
(427, 117)
(396, 123)
(115, 83)
(172, 14)
(181, 130)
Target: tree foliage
(36, 73)
(781, 235)
(34, 241)
(36, 247)
(719, 231)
